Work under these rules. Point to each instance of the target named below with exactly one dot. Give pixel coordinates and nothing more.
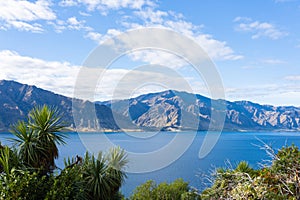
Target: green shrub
(68, 185)
(19, 184)
(176, 190)
(279, 181)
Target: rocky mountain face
(17, 99)
(168, 110)
(172, 110)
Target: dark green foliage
(287, 159)
(27, 168)
(144, 191)
(104, 175)
(8, 159)
(91, 178)
(21, 184)
(193, 194)
(37, 139)
(68, 185)
(279, 181)
(177, 190)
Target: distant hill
(173, 110)
(17, 99)
(168, 110)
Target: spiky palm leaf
(104, 175)
(117, 161)
(95, 176)
(26, 143)
(38, 138)
(8, 159)
(47, 124)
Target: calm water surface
(232, 147)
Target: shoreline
(86, 130)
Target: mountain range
(168, 110)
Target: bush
(67, 185)
(279, 181)
(164, 191)
(19, 184)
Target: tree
(177, 190)
(68, 184)
(91, 178)
(105, 174)
(37, 139)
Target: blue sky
(255, 45)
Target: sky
(254, 46)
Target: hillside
(17, 99)
(168, 110)
(180, 110)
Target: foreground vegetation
(28, 171)
(281, 180)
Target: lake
(231, 148)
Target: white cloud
(61, 77)
(23, 14)
(68, 3)
(272, 94)
(149, 17)
(55, 76)
(239, 18)
(251, 67)
(25, 10)
(273, 61)
(259, 29)
(265, 63)
(84, 14)
(292, 78)
(181, 26)
(58, 25)
(155, 57)
(24, 26)
(105, 5)
(117, 4)
(216, 49)
(20, 14)
(99, 38)
(121, 83)
(74, 24)
(145, 15)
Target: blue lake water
(231, 148)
